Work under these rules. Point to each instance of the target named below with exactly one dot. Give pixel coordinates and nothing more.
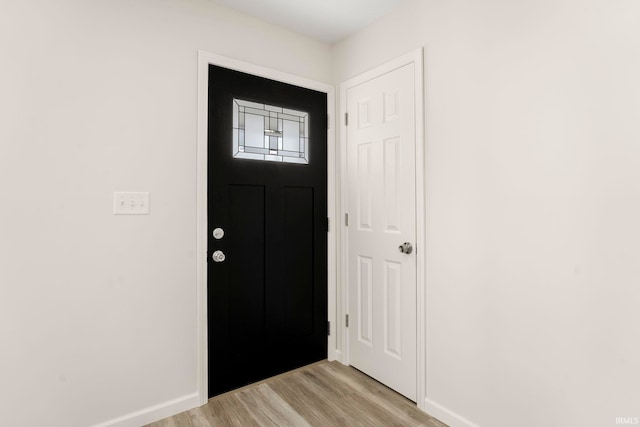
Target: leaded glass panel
(270, 133)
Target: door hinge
(346, 119)
(327, 225)
(346, 320)
(346, 219)
(328, 121)
(329, 328)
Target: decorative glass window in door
(270, 133)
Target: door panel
(298, 260)
(246, 224)
(381, 193)
(267, 301)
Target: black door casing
(267, 302)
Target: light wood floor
(323, 394)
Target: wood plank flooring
(323, 394)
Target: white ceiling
(325, 20)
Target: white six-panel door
(381, 204)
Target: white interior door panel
(381, 165)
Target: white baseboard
(154, 413)
(445, 415)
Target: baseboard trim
(446, 415)
(154, 413)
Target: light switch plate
(128, 203)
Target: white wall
(533, 204)
(98, 312)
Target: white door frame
(204, 60)
(416, 58)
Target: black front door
(267, 269)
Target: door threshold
(257, 383)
